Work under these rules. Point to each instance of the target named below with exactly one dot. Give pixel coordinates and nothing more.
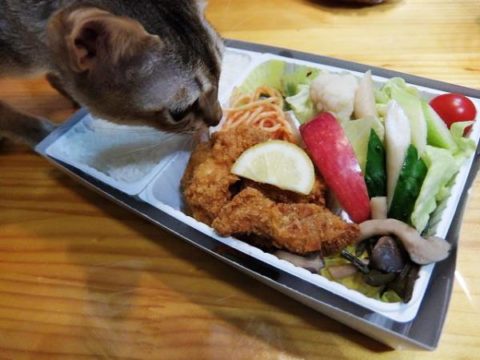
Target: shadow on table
(263, 327)
(341, 7)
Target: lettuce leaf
(466, 146)
(302, 104)
(296, 77)
(358, 132)
(269, 73)
(409, 100)
(279, 75)
(437, 131)
(391, 296)
(442, 166)
(291, 80)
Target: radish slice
(365, 98)
(378, 205)
(397, 141)
(333, 155)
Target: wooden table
(80, 276)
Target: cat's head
(121, 72)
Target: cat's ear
(94, 38)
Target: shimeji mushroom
(387, 255)
(421, 250)
(312, 262)
(342, 271)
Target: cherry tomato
(453, 108)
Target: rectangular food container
(155, 195)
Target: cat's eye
(179, 115)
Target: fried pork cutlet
(207, 180)
(298, 227)
(316, 196)
(259, 212)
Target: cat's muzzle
(212, 115)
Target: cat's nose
(213, 114)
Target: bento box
(141, 169)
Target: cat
(154, 63)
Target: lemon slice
(277, 163)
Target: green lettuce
(442, 167)
(296, 89)
(269, 73)
(465, 146)
(410, 101)
(291, 80)
(381, 101)
(286, 78)
(301, 104)
(358, 132)
(296, 78)
(438, 134)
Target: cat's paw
(35, 132)
(45, 127)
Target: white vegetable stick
(378, 205)
(397, 140)
(365, 98)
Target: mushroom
(360, 264)
(312, 262)
(378, 206)
(404, 283)
(387, 255)
(378, 278)
(342, 271)
(421, 250)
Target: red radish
(333, 155)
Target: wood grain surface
(81, 277)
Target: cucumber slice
(408, 186)
(375, 171)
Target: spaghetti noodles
(263, 109)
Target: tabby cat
(153, 63)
